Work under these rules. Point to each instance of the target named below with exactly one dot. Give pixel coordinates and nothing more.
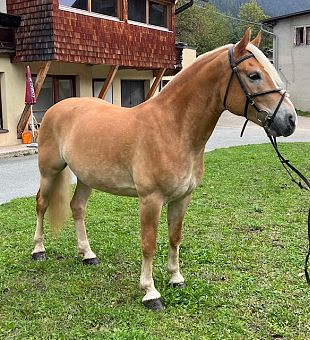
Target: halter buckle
(265, 119)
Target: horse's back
(96, 139)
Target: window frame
(123, 16)
(304, 42)
(168, 5)
(94, 14)
(162, 3)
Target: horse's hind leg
(78, 205)
(38, 253)
(176, 212)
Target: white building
(292, 54)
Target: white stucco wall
(13, 87)
(12, 92)
(294, 61)
(189, 56)
(3, 6)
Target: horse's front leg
(150, 208)
(176, 212)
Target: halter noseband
(269, 117)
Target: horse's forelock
(264, 61)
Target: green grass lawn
(245, 240)
(303, 113)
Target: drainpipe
(184, 7)
(275, 47)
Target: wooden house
(115, 49)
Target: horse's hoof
(39, 256)
(155, 304)
(93, 261)
(179, 285)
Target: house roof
(273, 20)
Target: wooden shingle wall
(49, 33)
(34, 37)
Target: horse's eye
(255, 76)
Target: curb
(18, 153)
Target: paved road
(19, 177)
(227, 133)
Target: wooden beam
(108, 81)
(124, 9)
(156, 82)
(37, 89)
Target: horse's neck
(193, 99)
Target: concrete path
(227, 133)
(19, 176)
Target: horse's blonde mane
(263, 60)
(209, 56)
(202, 59)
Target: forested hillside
(270, 7)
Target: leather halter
(269, 117)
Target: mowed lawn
(245, 240)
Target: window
(137, 10)
(106, 7)
(80, 4)
(97, 86)
(162, 84)
(302, 36)
(149, 12)
(6, 38)
(133, 92)
(158, 14)
(308, 35)
(54, 89)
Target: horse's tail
(59, 200)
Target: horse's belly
(120, 191)
(116, 182)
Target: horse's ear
(242, 44)
(257, 40)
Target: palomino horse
(155, 150)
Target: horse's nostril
(291, 120)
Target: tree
(252, 12)
(202, 28)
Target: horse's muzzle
(282, 126)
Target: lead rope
(306, 185)
(308, 255)
(243, 128)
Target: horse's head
(256, 91)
